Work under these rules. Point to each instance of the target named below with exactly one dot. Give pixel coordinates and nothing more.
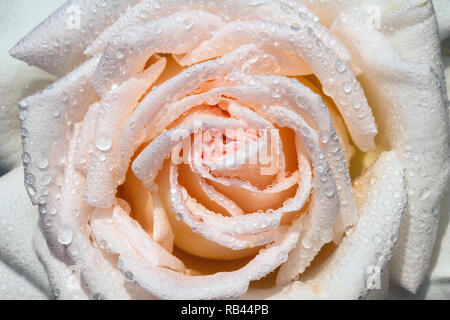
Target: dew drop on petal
(65, 236)
(103, 143)
(340, 66)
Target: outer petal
(328, 10)
(439, 287)
(410, 25)
(362, 255)
(410, 106)
(57, 44)
(17, 80)
(65, 281)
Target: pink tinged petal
(303, 101)
(126, 55)
(57, 44)
(232, 208)
(414, 119)
(255, 90)
(252, 91)
(48, 117)
(114, 110)
(151, 159)
(359, 261)
(251, 223)
(162, 231)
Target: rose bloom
(236, 149)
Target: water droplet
(329, 192)
(65, 236)
(282, 256)
(347, 87)
(23, 115)
(252, 56)
(424, 194)
(188, 24)
(26, 158)
(42, 163)
(255, 3)
(120, 55)
(306, 243)
(340, 66)
(103, 143)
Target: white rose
(139, 79)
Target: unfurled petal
(57, 44)
(406, 96)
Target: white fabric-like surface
(14, 286)
(18, 261)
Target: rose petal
(119, 63)
(48, 116)
(85, 139)
(115, 109)
(151, 159)
(324, 207)
(365, 253)
(67, 32)
(299, 96)
(17, 79)
(408, 26)
(162, 231)
(286, 12)
(415, 99)
(114, 225)
(167, 284)
(337, 80)
(67, 231)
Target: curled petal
(151, 159)
(357, 264)
(127, 54)
(287, 12)
(167, 284)
(115, 228)
(114, 110)
(324, 207)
